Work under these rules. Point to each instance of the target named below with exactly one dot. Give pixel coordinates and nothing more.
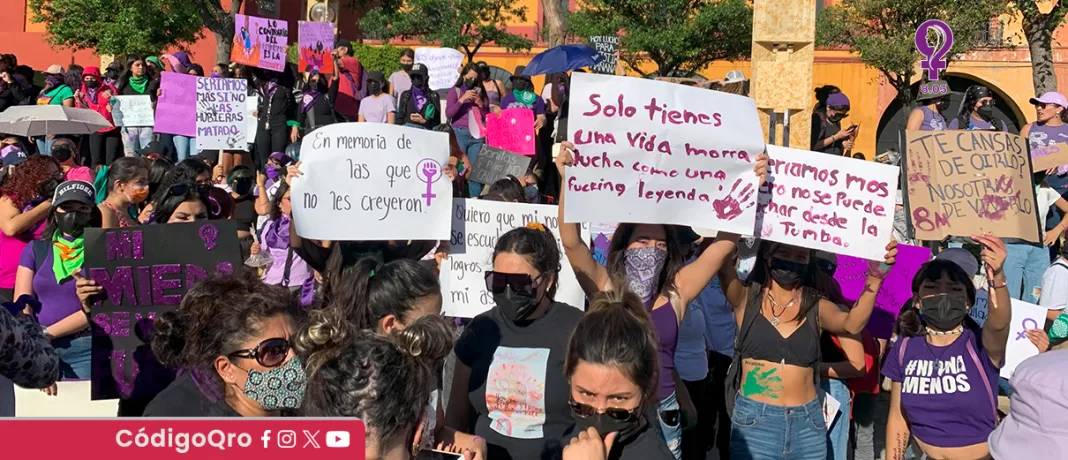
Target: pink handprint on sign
(729, 207)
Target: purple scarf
(420, 98)
(277, 235)
(308, 100)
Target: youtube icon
(338, 439)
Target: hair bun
(427, 338)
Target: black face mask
(944, 311)
(516, 306)
(62, 154)
(375, 87)
(92, 84)
(469, 83)
(520, 85)
(243, 187)
(406, 67)
(72, 223)
(605, 425)
(986, 111)
(417, 81)
(835, 118)
(48, 188)
(943, 105)
(785, 272)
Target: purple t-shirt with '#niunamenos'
(58, 300)
(942, 391)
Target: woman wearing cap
(136, 80)
(1050, 128)
(494, 88)
(316, 106)
(933, 103)
(827, 133)
(524, 97)
(977, 111)
(378, 106)
(400, 81)
(466, 105)
(46, 271)
(55, 90)
(24, 206)
(105, 144)
(419, 107)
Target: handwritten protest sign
(1049, 156)
(494, 164)
(372, 181)
(963, 183)
(133, 110)
(442, 65)
(660, 153)
(221, 115)
(852, 272)
(316, 45)
(260, 42)
(175, 111)
(606, 46)
(476, 226)
(1025, 316)
(830, 203)
(144, 273)
(512, 130)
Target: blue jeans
(672, 434)
(1024, 267)
(75, 356)
(184, 147)
(135, 138)
(838, 435)
(471, 147)
(765, 432)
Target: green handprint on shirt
(762, 383)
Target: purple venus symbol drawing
(429, 171)
(934, 56)
(208, 233)
(1027, 325)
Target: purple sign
(260, 42)
(934, 56)
(897, 287)
(176, 109)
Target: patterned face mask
(643, 270)
(279, 388)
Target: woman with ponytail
(977, 111)
(513, 355)
(611, 368)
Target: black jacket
(406, 107)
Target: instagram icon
(287, 439)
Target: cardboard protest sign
(260, 42)
(144, 273)
(1049, 156)
(830, 203)
(606, 46)
(852, 272)
(494, 164)
(442, 66)
(962, 183)
(176, 108)
(476, 226)
(512, 130)
(372, 181)
(221, 115)
(316, 46)
(1025, 316)
(660, 153)
(133, 110)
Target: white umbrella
(42, 120)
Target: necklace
(775, 316)
(954, 331)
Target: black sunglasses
(520, 283)
(268, 353)
(180, 189)
(586, 411)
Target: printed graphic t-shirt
(942, 391)
(517, 384)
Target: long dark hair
(761, 277)
(125, 169)
(617, 263)
(909, 323)
(127, 72)
(538, 246)
(276, 201)
(157, 171)
(186, 170)
(165, 204)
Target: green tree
(118, 27)
(219, 21)
(883, 32)
(466, 25)
(678, 36)
(1038, 28)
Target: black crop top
(764, 342)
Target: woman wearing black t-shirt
(509, 385)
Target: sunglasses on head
(520, 283)
(268, 353)
(183, 188)
(586, 411)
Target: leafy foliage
(462, 24)
(883, 31)
(118, 27)
(384, 58)
(679, 36)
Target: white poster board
(373, 181)
(825, 202)
(221, 114)
(1024, 316)
(442, 65)
(133, 111)
(661, 153)
(476, 227)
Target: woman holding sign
(944, 368)
(136, 81)
(649, 260)
(466, 106)
(776, 370)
